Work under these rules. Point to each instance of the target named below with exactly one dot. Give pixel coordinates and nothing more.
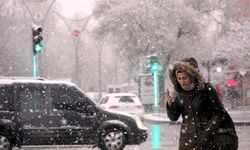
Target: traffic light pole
(37, 46)
(153, 66)
(34, 66)
(156, 88)
(156, 130)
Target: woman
(206, 125)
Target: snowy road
(161, 137)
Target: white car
(122, 102)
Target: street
(161, 137)
(71, 70)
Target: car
(37, 111)
(122, 102)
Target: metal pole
(75, 42)
(116, 70)
(99, 75)
(34, 66)
(156, 91)
(208, 71)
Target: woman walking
(206, 125)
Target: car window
(62, 94)
(126, 99)
(104, 100)
(64, 98)
(6, 98)
(32, 98)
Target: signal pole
(156, 87)
(37, 46)
(153, 66)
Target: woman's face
(184, 80)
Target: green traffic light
(154, 67)
(38, 47)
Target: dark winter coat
(201, 110)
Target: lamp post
(76, 37)
(207, 64)
(99, 48)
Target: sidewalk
(241, 117)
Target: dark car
(46, 112)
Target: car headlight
(139, 123)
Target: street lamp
(218, 69)
(209, 64)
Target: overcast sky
(70, 7)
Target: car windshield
(126, 99)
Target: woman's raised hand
(169, 98)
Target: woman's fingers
(169, 97)
(167, 92)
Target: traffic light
(37, 46)
(153, 66)
(37, 38)
(152, 63)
